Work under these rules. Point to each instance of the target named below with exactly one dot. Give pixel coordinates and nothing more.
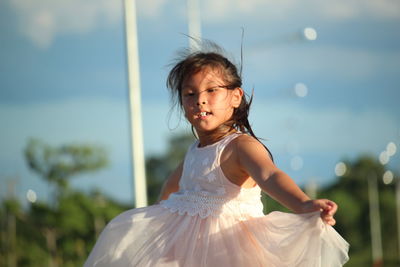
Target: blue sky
(63, 79)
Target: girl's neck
(212, 137)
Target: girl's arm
(253, 158)
(171, 185)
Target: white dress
(213, 222)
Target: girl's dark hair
(191, 63)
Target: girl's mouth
(204, 114)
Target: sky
(63, 79)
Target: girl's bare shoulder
(236, 145)
(246, 148)
(246, 142)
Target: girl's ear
(237, 95)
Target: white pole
(374, 216)
(194, 23)
(139, 175)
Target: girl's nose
(201, 100)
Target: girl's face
(207, 102)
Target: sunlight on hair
(31, 196)
(296, 163)
(387, 177)
(310, 33)
(340, 169)
(384, 157)
(391, 149)
(301, 89)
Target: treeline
(62, 231)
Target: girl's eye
(212, 90)
(188, 94)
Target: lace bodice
(204, 190)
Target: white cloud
(346, 63)
(150, 8)
(324, 130)
(78, 121)
(106, 122)
(100, 121)
(94, 120)
(42, 20)
(217, 11)
(383, 9)
(304, 129)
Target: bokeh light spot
(310, 33)
(340, 169)
(387, 177)
(384, 157)
(296, 163)
(31, 196)
(391, 149)
(301, 89)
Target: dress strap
(228, 139)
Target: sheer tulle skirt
(154, 236)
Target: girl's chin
(211, 130)
(205, 131)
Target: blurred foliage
(58, 164)
(63, 233)
(45, 235)
(350, 192)
(159, 167)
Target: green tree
(57, 165)
(9, 212)
(56, 221)
(63, 234)
(48, 236)
(350, 192)
(159, 167)
(77, 236)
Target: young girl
(210, 213)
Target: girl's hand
(327, 207)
